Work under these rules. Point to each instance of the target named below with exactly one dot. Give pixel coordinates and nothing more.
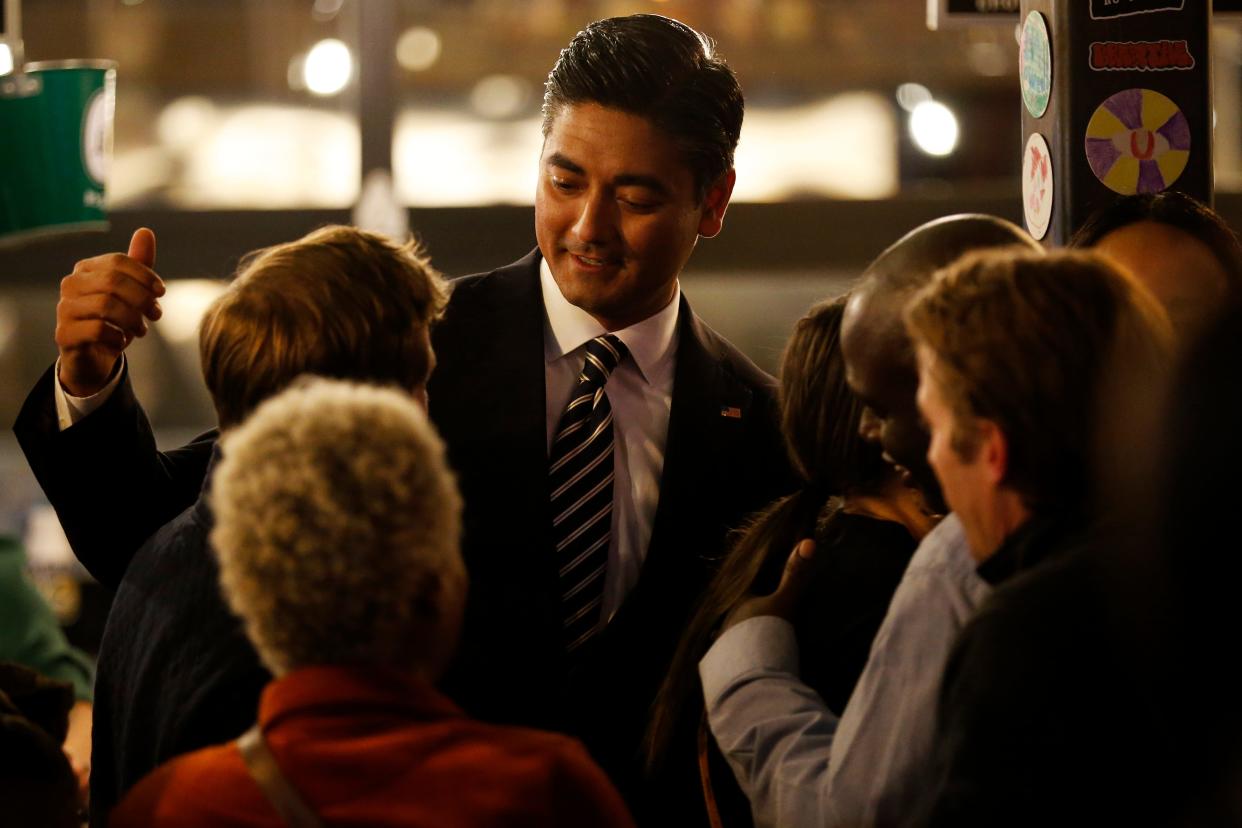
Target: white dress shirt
(640, 391)
(71, 409)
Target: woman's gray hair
(337, 528)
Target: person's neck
(895, 503)
(1008, 514)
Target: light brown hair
(339, 302)
(1045, 346)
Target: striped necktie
(580, 481)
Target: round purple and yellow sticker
(1138, 141)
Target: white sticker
(1037, 185)
(95, 128)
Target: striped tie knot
(603, 354)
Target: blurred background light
(840, 147)
(184, 304)
(910, 95)
(6, 59)
(500, 96)
(933, 126)
(328, 68)
(185, 121)
(8, 324)
(418, 48)
(324, 10)
(988, 58)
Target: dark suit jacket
(487, 397)
(112, 489)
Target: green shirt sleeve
(29, 631)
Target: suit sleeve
(109, 484)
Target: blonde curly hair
(337, 529)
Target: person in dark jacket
(1020, 359)
(175, 671)
(641, 119)
(337, 529)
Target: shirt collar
(1027, 546)
(651, 342)
(331, 689)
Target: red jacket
(377, 747)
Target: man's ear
(994, 451)
(715, 203)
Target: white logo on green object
(95, 138)
(1035, 64)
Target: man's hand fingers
(783, 603)
(118, 276)
(92, 336)
(797, 574)
(118, 288)
(142, 247)
(103, 306)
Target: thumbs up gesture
(104, 304)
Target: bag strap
(263, 768)
(705, 776)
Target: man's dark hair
(1176, 210)
(661, 70)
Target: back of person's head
(1172, 208)
(662, 70)
(1042, 346)
(819, 413)
(339, 302)
(337, 530)
(38, 788)
(1178, 247)
(819, 420)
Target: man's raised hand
(104, 304)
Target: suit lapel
(703, 434)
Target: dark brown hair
(661, 70)
(819, 419)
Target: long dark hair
(819, 420)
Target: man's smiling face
(617, 213)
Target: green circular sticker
(1035, 65)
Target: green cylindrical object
(56, 148)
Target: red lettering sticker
(1141, 56)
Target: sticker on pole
(1035, 62)
(1037, 185)
(1138, 141)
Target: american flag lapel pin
(731, 411)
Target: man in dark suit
(605, 439)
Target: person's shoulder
(559, 771)
(177, 551)
(187, 790)
(726, 354)
(475, 285)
